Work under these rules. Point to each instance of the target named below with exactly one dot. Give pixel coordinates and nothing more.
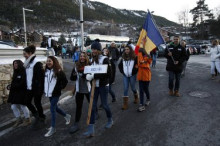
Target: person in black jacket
(128, 67)
(113, 68)
(101, 88)
(114, 53)
(175, 55)
(54, 81)
(17, 93)
(35, 85)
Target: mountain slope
(58, 12)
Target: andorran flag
(150, 37)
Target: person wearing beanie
(101, 88)
(89, 54)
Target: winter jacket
(144, 72)
(215, 53)
(113, 70)
(18, 87)
(179, 54)
(128, 67)
(114, 53)
(35, 77)
(102, 79)
(54, 84)
(75, 76)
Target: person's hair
(143, 51)
(215, 42)
(20, 67)
(96, 58)
(131, 54)
(19, 63)
(181, 43)
(108, 55)
(56, 65)
(79, 64)
(176, 36)
(30, 49)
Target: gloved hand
(89, 77)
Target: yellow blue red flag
(150, 37)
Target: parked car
(161, 50)
(8, 42)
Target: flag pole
(159, 31)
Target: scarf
(27, 62)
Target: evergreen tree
(201, 15)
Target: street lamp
(25, 31)
(81, 22)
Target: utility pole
(25, 30)
(81, 22)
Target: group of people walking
(30, 80)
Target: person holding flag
(175, 55)
(149, 39)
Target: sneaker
(50, 132)
(147, 103)
(67, 118)
(141, 108)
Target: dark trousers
(144, 88)
(79, 104)
(37, 103)
(174, 76)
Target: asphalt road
(192, 119)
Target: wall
(7, 56)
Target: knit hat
(88, 51)
(96, 45)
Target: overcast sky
(165, 8)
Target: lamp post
(81, 22)
(25, 30)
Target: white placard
(98, 69)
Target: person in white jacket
(215, 57)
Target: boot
(74, 128)
(90, 132)
(51, 131)
(125, 103)
(171, 92)
(136, 98)
(18, 122)
(109, 123)
(177, 93)
(67, 118)
(213, 77)
(27, 122)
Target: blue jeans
(111, 92)
(103, 92)
(132, 81)
(154, 60)
(173, 75)
(53, 109)
(144, 88)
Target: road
(192, 119)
